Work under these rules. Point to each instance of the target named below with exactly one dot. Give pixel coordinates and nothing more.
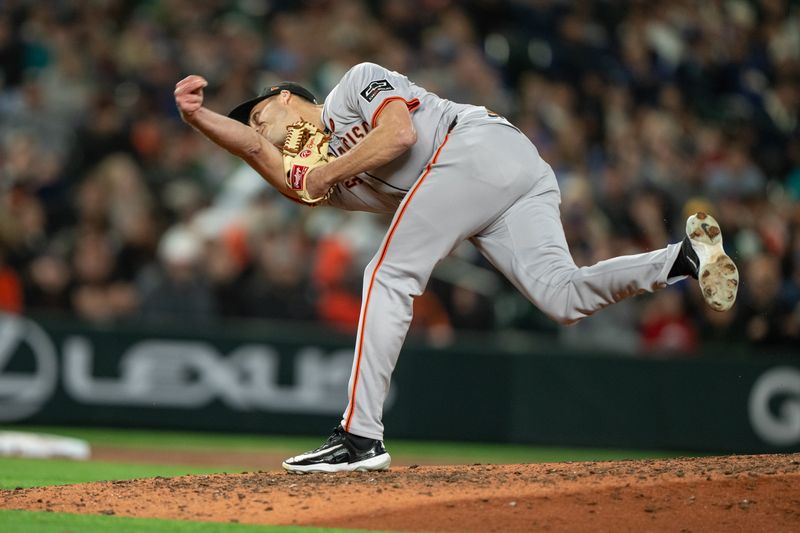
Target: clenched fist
(189, 95)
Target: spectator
(765, 318)
(666, 328)
(735, 175)
(430, 319)
(339, 302)
(640, 109)
(11, 299)
(175, 290)
(99, 293)
(48, 286)
(226, 274)
(277, 287)
(469, 310)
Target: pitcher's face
(270, 118)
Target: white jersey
(350, 112)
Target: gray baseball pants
(487, 183)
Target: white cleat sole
(717, 274)
(379, 462)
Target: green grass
(448, 452)
(176, 440)
(35, 522)
(19, 472)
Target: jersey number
(352, 182)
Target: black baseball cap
(242, 111)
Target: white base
(19, 444)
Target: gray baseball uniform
(470, 175)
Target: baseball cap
(242, 111)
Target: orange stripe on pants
(360, 348)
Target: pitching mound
(737, 493)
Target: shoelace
(338, 432)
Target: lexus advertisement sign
(69, 373)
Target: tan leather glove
(306, 147)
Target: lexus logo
(774, 406)
(24, 391)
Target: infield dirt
(732, 493)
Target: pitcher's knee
(395, 279)
(569, 305)
(562, 304)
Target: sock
(686, 262)
(362, 443)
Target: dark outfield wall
(285, 381)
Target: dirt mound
(736, 493)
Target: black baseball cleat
(342, 452)
(703, 258)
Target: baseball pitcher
(448, 172)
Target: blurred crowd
(112, 209)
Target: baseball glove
(306, 147)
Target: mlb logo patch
(375, 88)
